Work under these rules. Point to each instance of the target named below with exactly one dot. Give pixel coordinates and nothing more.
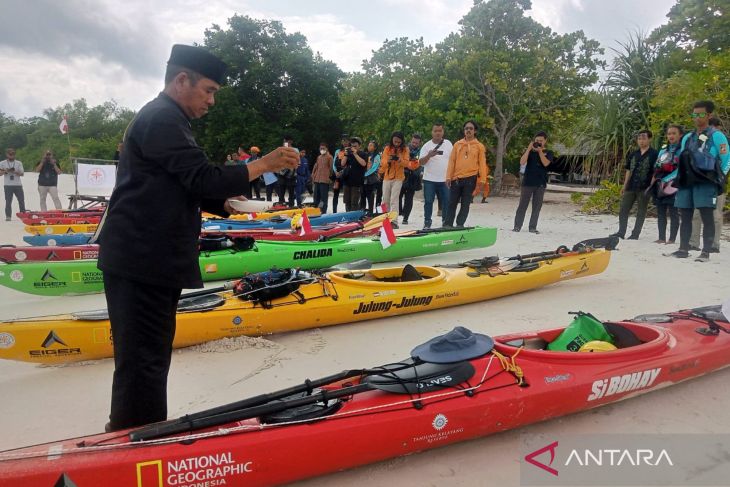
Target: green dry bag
(584, 328)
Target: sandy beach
(44, 403)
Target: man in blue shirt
(703, 166)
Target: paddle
(409, 377)
(228, 285)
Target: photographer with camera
(434, 159)
(353, 166)
(394, 160)
(48, 172)
(535, 161)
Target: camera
(348, 151)
(536, 145)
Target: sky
(54, 52)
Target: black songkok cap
(199, 60)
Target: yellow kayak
(330, 299)
(60, 229)
(266, 215)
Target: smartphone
(440, 152)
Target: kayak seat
(622, 336)
(200, 303)
(410, 274)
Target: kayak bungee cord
(248, 428)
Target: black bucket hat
(457, 345)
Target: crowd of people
(369, 178)
(689, 173)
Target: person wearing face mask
(321, 177)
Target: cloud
(80, 28)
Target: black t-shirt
(355, 174)
(535, 173)
(47, 175)
(641, 167)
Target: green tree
(276, 85)
(695, 24)
(522, 73)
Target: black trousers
(537, 194)
(287, 185)
(336, 197)
(270, 189)
(11, 191)
(708, 227)
(460, 194)
(661, 210)
(143, 326)
(406, 202)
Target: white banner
(96, 179)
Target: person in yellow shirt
(466, 174)
(392, 163)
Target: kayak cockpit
(631, 339)
(192, 304)
(407, 275)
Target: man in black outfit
(639, 170)
(165, 175)
(536, 160)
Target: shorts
(703, 195)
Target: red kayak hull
(51, 220)
(31, 253)
(377, 425)
(344, 230)
(34, 216)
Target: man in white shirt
(12, 170)
(434, 158)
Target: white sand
(46, 403)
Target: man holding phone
(12, 169)
(434, 158)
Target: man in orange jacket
(466, 174)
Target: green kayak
(58, 278)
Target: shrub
(576, 198)
(606, 199)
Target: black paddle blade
(608, 243)
(420, 378)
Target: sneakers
(633, 237)
(692, 247)
(660, 241)
(426, 226)
(679, 254)
(670, 242)
(714, 250)
(704, 257)
(515, 229)
(394, 224)
(617, 235)
(534, 230)
(405, 221)
(484, 200)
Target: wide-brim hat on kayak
(457, 345)
(199, 60)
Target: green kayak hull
(59, 278)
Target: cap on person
(199, 60)
(254, 149)
(356, 139)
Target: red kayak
(340, 230)
(474, 387)
(31, 253)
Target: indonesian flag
(382, 208)
(250, 216)
(387, 236)
(63, 127)
(306, 226)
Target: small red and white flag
(306, 226)
(63, 127)
(251, 216)
(387, 236)
(382, 208)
